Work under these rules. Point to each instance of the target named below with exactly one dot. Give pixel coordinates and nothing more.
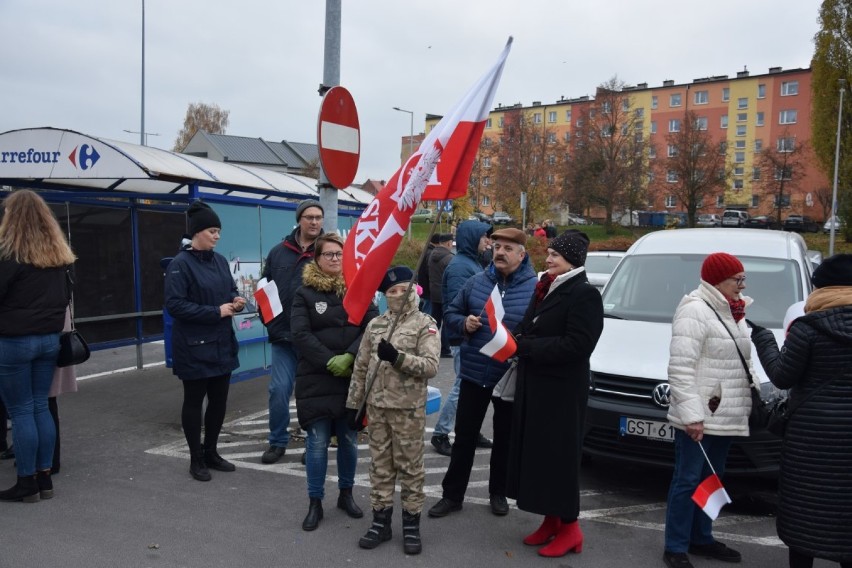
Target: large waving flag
(502, 345)
(439, 169)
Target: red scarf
(542, 287)
(737, 309)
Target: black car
(801, 224)
(762, 222)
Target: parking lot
(124, 497)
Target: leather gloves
(341, 365)
(754, 327)
(387, 352)
(524, 347)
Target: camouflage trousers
(396, 449)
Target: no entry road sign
(339, 137)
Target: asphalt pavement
(124, 496)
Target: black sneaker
(483, 442)
(273, 454)
(717, 551)
(499, 505)
(442, 444)
(677, 560)
(444, 507)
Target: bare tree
(201, 116)
(694, 164)
(781, 169)
(824, 196)
(480, 174)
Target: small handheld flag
(268, 301)
(710, 495)
(502, 345)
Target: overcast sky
(77, 65)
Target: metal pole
(142, 126)
(836, 168)
(411, 150)
(330, 78)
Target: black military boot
(411, 533)
(380, 531)
(45, 484)
(26, 490)
(197, 467)
(213, 460)
(346, 502)
(314, 515)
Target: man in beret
(466, 319)
(284, 265)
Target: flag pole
(706, 458)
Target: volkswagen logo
(660, 395)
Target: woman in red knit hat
(710, 400)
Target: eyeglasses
(312, 218)
(740, 281)
(332, 255)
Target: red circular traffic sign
(339, 137)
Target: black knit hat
(200, 216)
(836, 270)
(395, 275)
(305, 204)
(572, 245)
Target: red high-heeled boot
(545, 532)
(569, 537)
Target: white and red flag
(502, 345)
(711, 496)
(268, 300)
(438, 170)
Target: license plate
(646, 429)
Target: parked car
(836, 221)
(734, 218)
(708, 220)
(428, 216)
(629, 391)
(801, 224)
(599, 266)
(502, 218)
(479, 216)
(762, 222)
(574, 219)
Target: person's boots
(545, 532)
(213, 460)
(411, 533)
(26, 490)
(380, 531)
(45, 484)
(197, 467)
(346, 502)
(569, 538)
(314, 515)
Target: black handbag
(73, 349)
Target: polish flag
(268, 300)
(711, 496)
(502, 345)
(438, 170)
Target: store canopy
(68, 160)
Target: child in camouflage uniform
(396, 406)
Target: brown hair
(324, 239)
(30, 234)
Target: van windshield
(649, 287)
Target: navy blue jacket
(517, 289)
(465, 263)
(203, 343)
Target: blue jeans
(281, 383)
(686, 523)
(447, 419)
(27, 363)
(316, 460)
(426, 306)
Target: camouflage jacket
(402, 385)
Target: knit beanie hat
(200, 216)
(306, 204)
(836, 270)
(720, 266)
(572, 245)
(395, 275)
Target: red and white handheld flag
(268, 301)
(439, 169)
(711, 496)
(502, 345)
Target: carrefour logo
(82, 157)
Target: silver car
(599, 266)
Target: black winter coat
(815, 486)
(203, 343)
(32, 300)
(320, 330)
(556, 339)
(284, 264)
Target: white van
(734, 218)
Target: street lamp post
(144, 135)
(836, 167)
(410, 131)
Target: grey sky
(76, 64)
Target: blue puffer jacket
(517, 290)
(465, 263)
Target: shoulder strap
(740, 353)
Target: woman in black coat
(815, 485)
(555, 340)
(202, 298)
(327, 344)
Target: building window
(486, 162)
(739, 157)
(473, 200)
(551, 159)
(550, 179)
(537, 139)
(568, 116)
(537, 118)
(486, 201)
(671, 150)
(606, 107)
(739, 171)
(671, 176)
(755, 174)
(786, 144)
(720, 201)
(653, 127)
(759, 120)
(653, 102)
(500, 122)
(723, 147)
(701, 123)
(674, 125)
(639, 125)
(755, 200)
(671, 201)
(652, 152)
(738, 185)
(761, 91)
(726, 94)
(640, 112)
(488, 123)
(783, 173)
(551, 116)
(787, 117)
(724, 121)
(758, 145)
(487, 142)
(789, 88)
(742, 103)
(785, 201)
(701, 97)
(739, 144)
(486, 181)
(567, 136)
(551, 138)
(741, 130)
(579, 123)
(674, 100)
(742, 116)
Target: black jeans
(194, 391)
(472, 406)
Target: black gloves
(387, 352)
(524, 347)
(352, 420)
(754, 327)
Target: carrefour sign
(82, 157)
